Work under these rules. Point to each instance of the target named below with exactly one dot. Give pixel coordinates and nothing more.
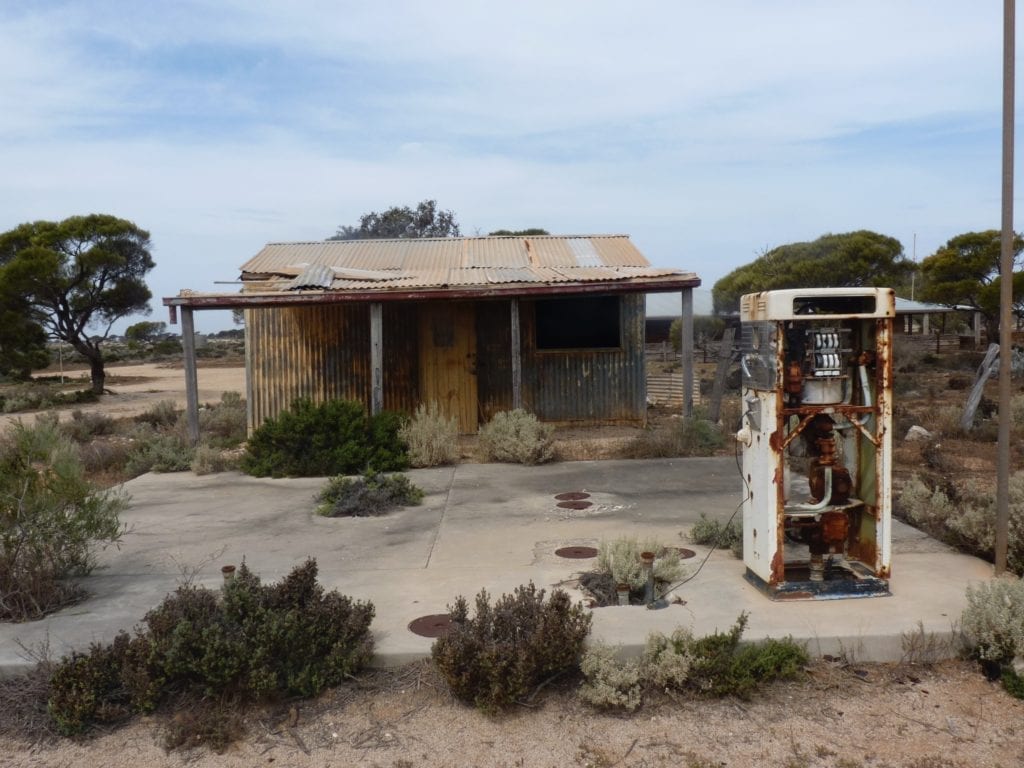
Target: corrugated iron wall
(494, 358)
(323, 352)
(606, 385)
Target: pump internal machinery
(816, 437)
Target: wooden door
(448, 360)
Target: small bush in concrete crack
(367, 496)
(432, 437)
(248, 642)
(517, 437)
(618, 562)
(712, 533)
(506, 651)
(686, 437)
(715, 665)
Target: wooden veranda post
(517, 357)
(376, 358)
(686, 351)
(188, 346)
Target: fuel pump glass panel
(816, 437)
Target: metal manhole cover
(684, 553)
(573, 496)
(576, 553)
(573, 504)
(434, 625)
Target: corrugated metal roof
(454, 261)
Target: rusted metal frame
(331, 297)
(795, 433)
(517, 356)
(188, 346)
(376, 358)
(687, 351)
(883, 455)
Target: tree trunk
(98, 375)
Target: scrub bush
(712, 533)
(517, 437)
(964, 515)
(504, 652)
(208, 460)
(716, 665)
(159, 452)
(223, 424)
(248, 642)
(620, 559)
(51, 520)
(684, 437)
(431, 436)
(322, 439)
(993, 621)
(83, 427)
(367, 496)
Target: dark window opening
(590, 322)
(834, 305)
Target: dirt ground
(135, 388)
(839, 715)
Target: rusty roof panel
(618, 252)
(314, 276)
(408, 264)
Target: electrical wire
(725, 528)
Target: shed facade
(554, 325)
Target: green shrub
(331, 438)
(251, 641)
(367, 496)
(716, 665)
(712, 533)
(517, 437)
(432, 437)
(160, 452)
(504, 652)
(51, 520)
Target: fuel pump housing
(817, 441)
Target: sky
(707, 131)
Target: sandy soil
(135, 388)
(838, 716)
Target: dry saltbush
(610, 684)
(994, 619)
(968, 519)
(517, 437)
(432, 437)
(208, 460)
(620, 558)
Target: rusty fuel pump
(816, 437)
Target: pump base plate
(841, 582)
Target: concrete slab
(484, 526)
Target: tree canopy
(965, 273)
(534, 231)
(861, 258)
(78, 275)
(402, 221)
(22, 340)
(146, 330)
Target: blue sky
(707, 131)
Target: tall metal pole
(1005, 293)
